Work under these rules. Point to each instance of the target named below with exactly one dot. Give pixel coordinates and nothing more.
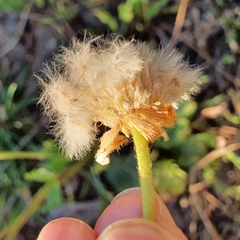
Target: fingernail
(162, 212)
(65, 229)
(126, 193)
(140, 229)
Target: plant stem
(145, 174)
(62, 178)
(25, 155)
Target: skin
(122, 219)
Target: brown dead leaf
(215, 111)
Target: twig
(21, 26)
(215, 202)
(205, 219)
(179, 22)
(193, 179)
(204, 54)
(209, 158)
(62, 178)
(237, 76)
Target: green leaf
(125, 12)
(122, 172)
(136, 5)
(39, 3)
(232, 117)
(11, 5)
(139, 27)
(192, 150)
(106, 18)
(170, 178)
(155, 8)
(210, 176)
(54, 198)
(228, 59)
(236, 218)
(207, 138)
(181, 129)
(214, 101)
(234, 158)
(220, 3)
(187, 110)
(234, 192)
(100, 188)
(9, 99)
(47, 20)
(39, 175)
(204, 79)
(177, 134)
(56, 163)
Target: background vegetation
(196, 171)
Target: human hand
(122, 219)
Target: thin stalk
(62, 178)
(145, 174)
(24, 155)
(35, 203)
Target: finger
(162, 211)
(140, 229)
(66, 229)
(128, 205)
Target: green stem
(145, 174)
(62, 178)
(24, 155)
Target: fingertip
(65, 229)
(140, 229)
(127, 192)
(128, 204)
(163, 214)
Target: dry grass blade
(179, 21)
(209, 158)
(204, 217)
(196, 201)
(215, 202)
(63, 177)
(13, 42)
(205, 55)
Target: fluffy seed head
(120, 83)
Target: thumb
(140, 229)
(128, 205)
